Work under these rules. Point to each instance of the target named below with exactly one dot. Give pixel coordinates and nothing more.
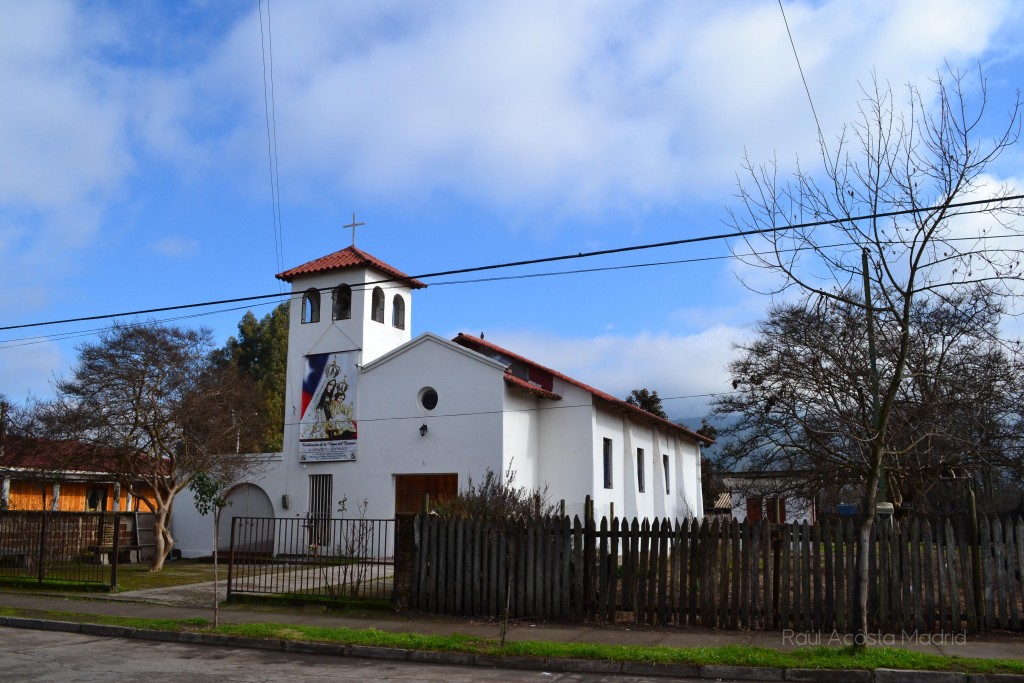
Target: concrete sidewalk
(195, 601)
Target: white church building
(374, 415)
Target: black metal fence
(74, 547)
(312, 557)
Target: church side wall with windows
(388, 417)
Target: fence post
(116, 544)
(42, 545)
(405, 559)
(975, 534)
(231, 559)
(775, 531)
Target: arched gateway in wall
(248, 500)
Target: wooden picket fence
(724, 574)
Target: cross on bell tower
(353, 225)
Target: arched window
(377, 307)
(342, 308)
(311, 306)
(398, 312)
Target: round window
(428, 398)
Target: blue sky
(135, 164)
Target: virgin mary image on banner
(327, 428)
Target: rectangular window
(754, 509)
(607, 463)
(96, 499)
(668, 484)
(321, 494)
(776, 510)
(640, 470)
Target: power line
(548, 259)
(270, 113)
(42, 339)
(800, 68)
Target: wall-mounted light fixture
(424, 429)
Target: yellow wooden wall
(28, 495)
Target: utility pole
(873, 357)
(5, 491)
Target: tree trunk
(162, 536)
(867, 523)
(216, 544)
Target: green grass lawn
(133, 577)
(736, 655)
(130, 577)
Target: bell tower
(348, 308)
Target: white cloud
(578, 105)
(63, 139)
(60, 121)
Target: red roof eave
(34, 454)
(349, 257)
(469, 340)
(532, 388)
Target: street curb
(829, 675)
(745, 673)
(669, 670)
(912, 676)
(560, 664)
(581, 666)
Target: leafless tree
(151, 401)
(27, 456)
(891, 190)
(802, 406)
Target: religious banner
(327, 428)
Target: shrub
(497, 497)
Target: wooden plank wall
(723, 574)
(29, 495)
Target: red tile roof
(349, 257)
(47, 455)
(59, 458)
(532, 388)
(476, 343)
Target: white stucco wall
(609, 425)
(479, 423)
(566, 460)
(521, 436)
(359, 334)
(798, 508)
(680, 498)
(464, 430)
(368, 338)
(687, 484)
(193, 533)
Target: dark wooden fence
(76, 547)
(315, 557)
(723, 574)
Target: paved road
(28, 656)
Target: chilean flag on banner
(314, 371)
